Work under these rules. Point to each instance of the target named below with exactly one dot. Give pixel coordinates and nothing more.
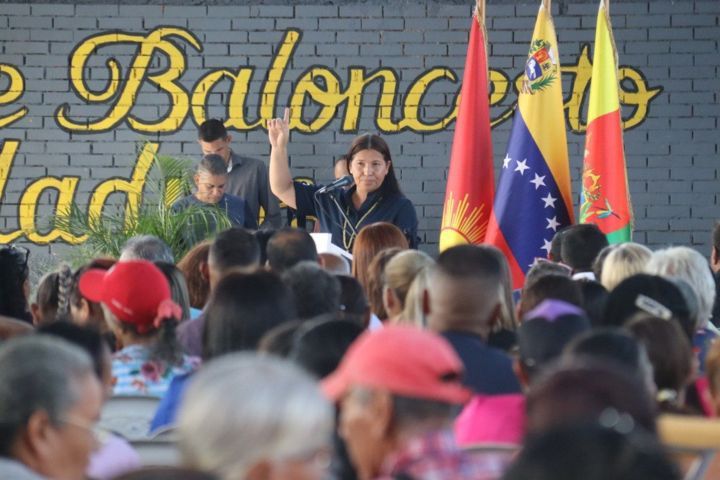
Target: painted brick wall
(671, 47)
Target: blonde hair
(401, 270)
(413, 313)
(623, 261)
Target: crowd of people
(271, 360)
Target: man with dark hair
(317, 291)
(399, 389)
(543, 335)
(50, 400)
(210, 181)
(288, 247)
(581, 244)
(463, 302)
(556, 287)
(234, 249)
(247, 177)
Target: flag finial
(480, 10)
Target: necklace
(348, 242)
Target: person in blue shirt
(375, 197)
(210, 180)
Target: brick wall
(670, 50)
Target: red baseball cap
(404, 360)
(134, 291)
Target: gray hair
(317, 291)
(37, 372)
(146, 247)
(212, 165)
(243, 408)
(688, 265)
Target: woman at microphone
(375, 196)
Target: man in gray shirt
(247, 177)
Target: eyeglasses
(101, 434)
(320, 458)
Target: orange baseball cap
(404, 360)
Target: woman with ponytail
(136, 299)
(52, 299)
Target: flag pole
(480, 9)
(546, 4)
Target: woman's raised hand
(279, 130)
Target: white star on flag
(538, 181)
(506, 161)
(547, 244)
(549, 201)
(552, 223)
(521, 166)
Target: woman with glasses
(374, 197)
(14, 283)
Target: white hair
(688, 265)
(243, 408)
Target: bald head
(465, 289)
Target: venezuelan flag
(470, 186)
(605, 199)
(533, 199)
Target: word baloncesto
(318, 96)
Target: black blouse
(395, 208)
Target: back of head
(319, 346)
(242, 308)
(581, 244)
(545, 267)
(555, 253)
(625, 300)
(465, 288)
(370, 241)
(401, 270)
(317, 291)
(594, 300)
(550, 287)
(288, 247)
(581, 390)
(615, 346)
(593, 451)
(712, 369)
(37, 373)
(52, 299)
(282, 415)
(234, 248)
(87, 339)
(670, 354)
(354, 306)
(191, 266)
(14, 273)
(623, 261)
(211, 130)
(689, 265)
(146, 247)
(375, 278)
(167, 473)
(178, 286)
(542, 337)
(334, 264)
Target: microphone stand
(339, 208)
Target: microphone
(339, 183)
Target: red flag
(470, 186)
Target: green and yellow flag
(605, 199)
